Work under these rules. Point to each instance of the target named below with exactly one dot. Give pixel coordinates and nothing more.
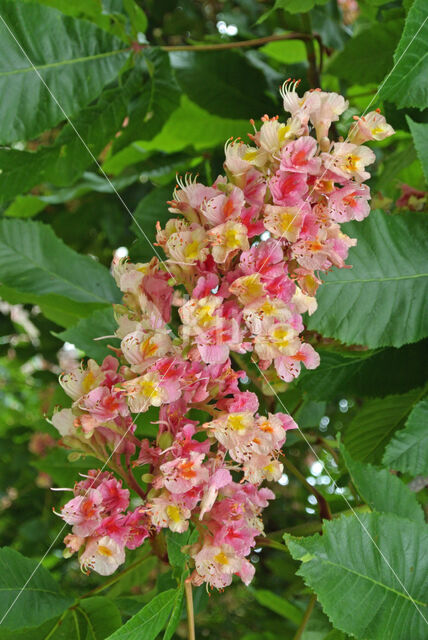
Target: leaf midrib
(388, 279)
(370, 579)
(61, 63)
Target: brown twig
(240, 44)
(189, 608)
(324, 509)
(306, 617)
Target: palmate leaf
(368, 433)
(407, 84)
(408, 450)
(366, 373)
(74, 58)
(353, 578)
(148, 622)
(34, 261)
(383, 491)
(380, 300)
(40, 601)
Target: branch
(325, 513)
(189, 607)
(255, 42)
(306, 617)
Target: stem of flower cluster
(306, 617)
(325, 513)
(313, 75)
(189, 607)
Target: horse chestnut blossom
(244, 259)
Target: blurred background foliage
(161, 86)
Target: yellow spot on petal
(221, 558)
(105, 551)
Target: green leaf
(407, 83)
(408, 450)
(191, 126)
(41, 599)
(279, 605)
(20, 171)
(25, 207)
(159, 98)
(419, 131)
(148, 622)
(373, 48)
(350, 574)
(74, 58)
(85, 333)
(136, 15)
(366, 373)
(62, 311)
(368, 433)
(285, 51)
(223, 82)
(383, 491)
(177, 608)
(63, 472)
(72, 157)
(380, 301)
(33, 260)
(292, 6)
(101, 615)
(175, 542)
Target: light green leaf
(366, 373)
(383, 491)
(351, 575)
(41, 599)
(85, 333)
(407, 84)
(149, 621)
(380, 300)
(419, 131)
(191, 126)
(408, 450)
(292, 6)
(33, 260)
(25, 207)
(74, 58)
(136, 15)
(285, 51)
(279, 605)
(373, 49)
(368, 433)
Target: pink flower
(288, 188)
(349, 203)
(83, 512)
(298, 156)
